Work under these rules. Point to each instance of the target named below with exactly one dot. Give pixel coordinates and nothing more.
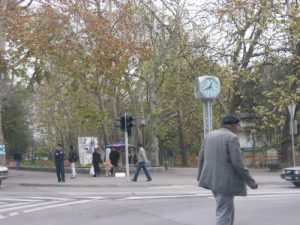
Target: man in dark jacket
(96, 161)
(59, 163)
(114, 157)
(73, 158)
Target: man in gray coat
(142, 161)
(222, 170)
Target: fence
(256, 160)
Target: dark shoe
(133, 180)
(59, 181)
(64, 181)
(94, 175)
(149, 179)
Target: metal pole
(293, 149)
(292, 109)
(126, 149)
(126, 155)
(293, 142)
(207, 117)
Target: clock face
(207, 87)
(210, 88)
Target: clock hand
(208, 87)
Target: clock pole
(207, 116)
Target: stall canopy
(119, 146)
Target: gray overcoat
(221, 166)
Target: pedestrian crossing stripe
(28, 206)
(10, 207)
(56, 205)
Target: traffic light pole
(126, 155)
(126, 150)
(126, 125)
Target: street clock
(207, 87)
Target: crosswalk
(13, 206)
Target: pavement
(172, 176)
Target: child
(108, 166)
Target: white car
(291, 174)
(3, 173)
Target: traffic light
(126, 123)
(129, 124)
(122, 121)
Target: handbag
(92, 171)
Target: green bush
(38, 164)
(273, 165)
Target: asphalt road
(34, 198)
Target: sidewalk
(170, 177)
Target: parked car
(292, 174)
(3, 173)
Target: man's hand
(254, 186)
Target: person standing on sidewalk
(114, 157)
(18, 158)
(222, 170)
(142, 161)
(73, 158)
(96, 160)
(59, 163)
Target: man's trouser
(73, 169)
(60, 171)
(224, 209)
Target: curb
(85, 170)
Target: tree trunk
(184, 161)
(117, 133)
(153, 119)
(135, 113)
(286, 147)
(103, 126)
(286, 153)
(134, 104)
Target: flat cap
(230, 119)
